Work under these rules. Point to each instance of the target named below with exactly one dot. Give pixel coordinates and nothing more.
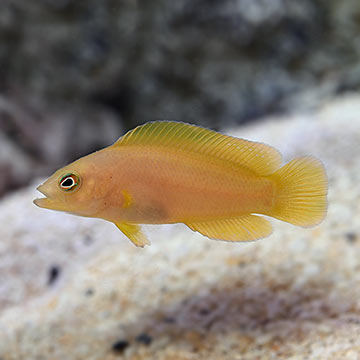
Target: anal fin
(242, 228)
(134, 233)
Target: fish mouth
(44, 202)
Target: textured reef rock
(203, 61)
(75, 288)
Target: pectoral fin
(242, 228)
(134, 233)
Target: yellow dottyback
(168, 172)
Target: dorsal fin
(260, 158)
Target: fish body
(169, 172)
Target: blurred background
(74, 75)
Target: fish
(167, 172)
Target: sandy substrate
(74, 288)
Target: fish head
(74, 189)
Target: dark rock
(351, 237)
(89, 292)
(204, 312)
(144, 339)
(169, 320)
(53, 274)
(120, 346)
(202, 61)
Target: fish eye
(69, 182)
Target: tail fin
(301, 190)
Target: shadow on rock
(239, 311)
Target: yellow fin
(301, 189)
(242, 228)
(259, 158)
(134, 233)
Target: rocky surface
(74, 288)
(203, 61)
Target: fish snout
(43, 202)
